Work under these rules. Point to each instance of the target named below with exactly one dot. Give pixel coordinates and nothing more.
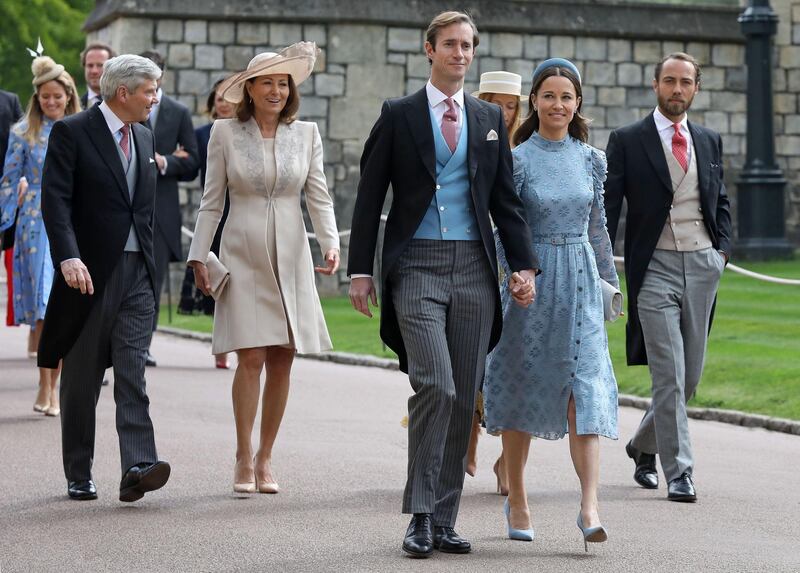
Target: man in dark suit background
(176, 157)
(98, 188)
(10, 113)
(447, 158)
(677, 243)
(92, 59)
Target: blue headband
(555, 63)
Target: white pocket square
(491, 136)
(152, 160)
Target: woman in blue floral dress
(54, 97)
(551, 373)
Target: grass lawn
(753, 359)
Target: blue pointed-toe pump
(596, 534)
(516, 534)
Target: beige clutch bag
(218, 275)
(612, 301)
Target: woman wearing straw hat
(54, 97)
(269, 309)
(551, 374)
(505, 90)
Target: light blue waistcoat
(450, 215)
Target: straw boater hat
(297, 60)
(507, 83)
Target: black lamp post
(760, 188)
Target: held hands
(362, 292)
(201, 277)
(523, 287)
(77, 275)
(331, 263)
(180, 152)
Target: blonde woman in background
(54, 98)
(505, 90)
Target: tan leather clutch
(218, 275)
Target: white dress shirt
(92, 98)
(666, 131)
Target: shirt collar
(114, 123)
(663, 122)
(91, 94)
(435, 96)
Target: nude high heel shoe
(267, 486)
(502, 486)
(244, 487)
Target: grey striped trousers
(119, 328)
(444, 293)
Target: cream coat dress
(271, 298)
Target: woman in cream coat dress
(270, 308)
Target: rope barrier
(730, 266)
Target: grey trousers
(675, 304)
(444, 294)
(119, 328)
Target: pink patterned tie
(679, 147)
(449, 124)
(125, 142)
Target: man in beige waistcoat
(677, 243)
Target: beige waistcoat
(684, 229)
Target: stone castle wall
(372, 50)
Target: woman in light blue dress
(54, 97)
(551, 373)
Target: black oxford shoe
(682, 489)
(419, 537)
(446, 540)
(645, 473)
(81, 490)
(143, 478)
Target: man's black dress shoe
(446, 540)
(682, 489)
(645, 473)
(143, 478)
(150, 361)
(419, 537)
(81, 489)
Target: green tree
(57, 22)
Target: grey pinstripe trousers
(119, 327)
(444, 295)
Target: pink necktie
(449, 124)
(679, 147)
(125, 142)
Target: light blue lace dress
(33, 268)
(557, 347)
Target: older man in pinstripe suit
(447, 157)
(98, 189)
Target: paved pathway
(340, 460)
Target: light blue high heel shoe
(517, 534)
(596, 534)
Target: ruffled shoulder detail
(599, 165)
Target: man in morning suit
(447, 158)
(92, 59)
(176, 157)
(98, 188)
(677, 243)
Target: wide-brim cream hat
(296, 60)
(507, 83)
